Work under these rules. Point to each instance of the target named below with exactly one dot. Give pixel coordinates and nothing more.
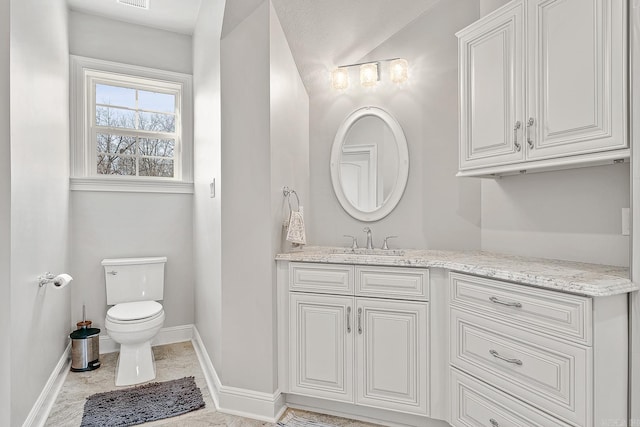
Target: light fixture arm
(366, 62)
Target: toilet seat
(135, 312)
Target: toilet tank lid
(132, 261)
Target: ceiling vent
(140, 4)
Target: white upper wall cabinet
(543, 86)
(492, 85)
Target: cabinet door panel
(392, 355)
(321, 344)
(492, 91)
(577, 84)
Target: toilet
(134, 287)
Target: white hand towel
(295, 231)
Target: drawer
(392, 282)
(544, 372)
(475, 404)
(321, 278)
(553, 313)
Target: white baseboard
(41, 409)
(237, 401)
(170, 335)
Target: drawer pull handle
(497, 355)
(508, 304)
(494, 423)
(360, 321)
(348, 320)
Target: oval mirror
(369, 164)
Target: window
(132, 129)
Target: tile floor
(172, 361)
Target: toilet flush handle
(113, 273)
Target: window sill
(130, 185)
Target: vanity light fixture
(399, 70)
(370, 73)
(340, 78)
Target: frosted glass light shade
(399, 70)
(340, 78)
(369, 74)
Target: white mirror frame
(403, 164)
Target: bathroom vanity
(423, 337)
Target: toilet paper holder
(59, 281)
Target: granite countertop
(566, 276)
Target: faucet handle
(384, 244)
(354, 241)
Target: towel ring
(287, 193)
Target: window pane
(157, 147)
(156, 167)
(115, 117)
(116, 144)
(109, 164)
(156, 101)
(157, 122)
(115, 95)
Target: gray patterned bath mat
(141, 404)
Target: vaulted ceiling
(321, 33)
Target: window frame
(85, 74)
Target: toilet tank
(134, 279)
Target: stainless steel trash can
(85, 348)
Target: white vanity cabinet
(543, 85)
(535, 357)
(357, 344)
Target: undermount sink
(364, 251)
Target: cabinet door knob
(529, 126)
(494, 423)
(348, 320)
(516, 144)
(360, 321)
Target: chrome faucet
(369, 238)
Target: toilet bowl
(134, 286)
(133, 325)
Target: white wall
(39, 195)
(5, 218)
(247, 324)
(573, 214)
(207, 211)
(102, 38)
(289, 133)
(488, 6)
(124, 225)
(264, 133)
(117, 224)
(437, 210)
